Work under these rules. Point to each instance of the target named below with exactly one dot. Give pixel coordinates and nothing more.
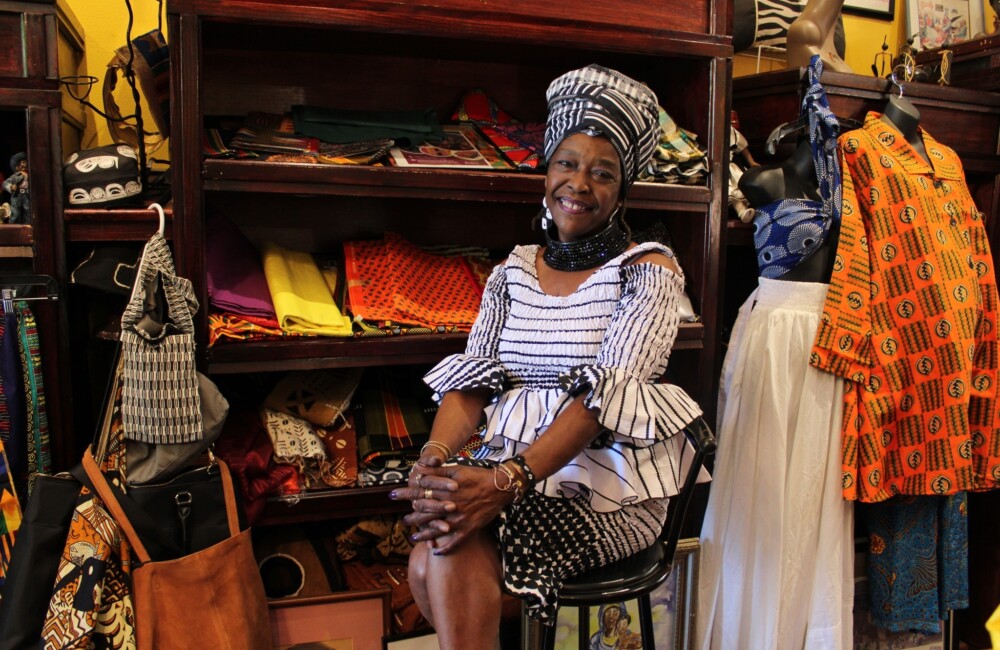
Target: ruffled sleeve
(633, 354)
(480, 365)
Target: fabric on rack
(13, 417)
(340, 468)
(231, 327)
(36, 413)
(302, 301)
(234, 273)
(776, 568)
(10, 514)
(392, 280)
(911, 320)
(788, 231)
(91, 603)
(918, 560)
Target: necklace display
(586, 253)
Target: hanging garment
(910, 319)
(776, 567)
(10, 515)
(13, 417)
(918, 560)
(36, 413)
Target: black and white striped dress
(609, 341)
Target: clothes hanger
(12, 285)
(163, 217)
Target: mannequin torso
(793, 178)
(902, 114)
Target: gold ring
(427, 493)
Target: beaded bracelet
(529, 476)
(440, 446)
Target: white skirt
(776, 565)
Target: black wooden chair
(636, 576)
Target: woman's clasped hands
(450, 502)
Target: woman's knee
(417, 572)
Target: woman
(580, 452)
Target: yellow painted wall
(104, 23)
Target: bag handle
(112, 503)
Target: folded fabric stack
(521, 143)
(678, 158)
(393, 416)
(395, 287)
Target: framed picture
(939, 23)
(617, 624)
(881, 9)
(350, 620)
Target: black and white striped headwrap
(597, 100)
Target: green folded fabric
(341, 126)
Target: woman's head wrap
(596, 100)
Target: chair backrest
(703, 441)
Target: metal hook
(895, 81)
(163, 217)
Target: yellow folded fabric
(993, 627)
(302, 301)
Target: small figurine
(17, 185)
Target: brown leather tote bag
(213, 598)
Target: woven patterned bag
(160, 402)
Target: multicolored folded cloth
(302, 300)
(394, 417)
(678, 158)
(223, 326)
(520, 143)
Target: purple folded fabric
(236, 280)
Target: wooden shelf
(114, 224)
(506, 187)
(16, 235)
(317, 352)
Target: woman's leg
(460, 593)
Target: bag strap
(114, 501)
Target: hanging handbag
(212, 598)
(160, 400)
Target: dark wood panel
(11, 44)
(318, 352)
(15, 235)
(110, 225)
(654, 27)
(456, 185)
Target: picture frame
(674, 605)
(881, 9)
(350, 620)
(939, 23)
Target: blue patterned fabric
(918, 560)
(788, 231)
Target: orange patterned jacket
(910, 321)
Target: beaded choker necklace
(586, 253)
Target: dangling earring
(547, 216)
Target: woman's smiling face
(582, 185)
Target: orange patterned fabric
(910, 321)
(393, 281)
